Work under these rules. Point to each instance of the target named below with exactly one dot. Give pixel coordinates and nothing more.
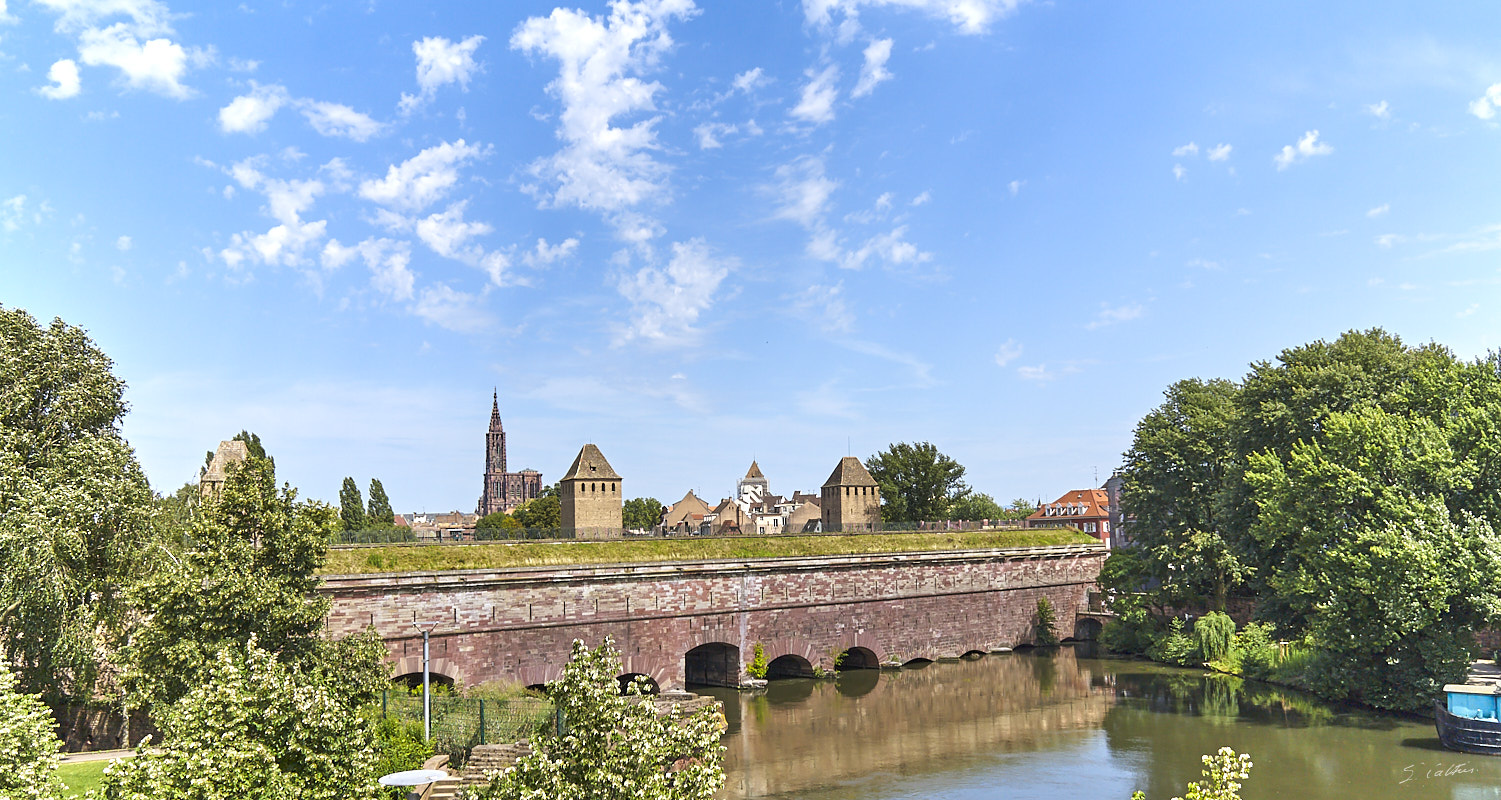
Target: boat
(1467, 719)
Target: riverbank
(505, 555)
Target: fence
(480, 535)
(460, 723)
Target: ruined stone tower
(590, 495)
(851, 499)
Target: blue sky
(701, 234)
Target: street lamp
(427, 707)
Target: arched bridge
(700, 621)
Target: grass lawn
(81, 776)
(501, 555)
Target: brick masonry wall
(519, 625)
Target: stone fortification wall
(518, 625)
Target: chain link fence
(460, 723)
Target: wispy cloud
(1306, 148)
(1114, 315)
(1009, 351)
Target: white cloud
(250, 113)
(1485, 106)
(969, 16)
(156, 65)
(708, 134)
(1186, 150)
(333, 119)
(1015, 187)
(926, 197)
(1203, 263)
(1306, 148)
(750, 80)
(602, 167)
(667, 302)
(819, 94)
(389, 263)
(451, 309)
(824, 306)
(1219, 152)
(1111, 315)
(5, 17)
(13, 213)
(803, 191)
(439, 63)
(544, 254)
(1379, 210)
(1179, 172)
(874, 71)
(448, 234)
(288, 241)
(1473, 307)
(64, 77)
(1386, 240)
(1009, 351)
(123, 244)
(423, 179)
(1379, 110)
(1042, 373)
(892, 247)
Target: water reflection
(1053, 723)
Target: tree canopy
(641, 513)
(75, 508)
(351, 506)
(379, 514)
(917, 482)
(543, 511)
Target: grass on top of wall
(500, 555)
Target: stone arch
(712, 664)
(413, 680)
(917, 663)
(857, 657)
(1087, 629)
(789, 665)
(437, 668)
(973, 655)
(625, 682)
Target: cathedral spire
(495, 410)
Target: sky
(701, 234)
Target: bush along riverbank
(1252, 651)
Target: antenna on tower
(1096, 476)
(849, 449)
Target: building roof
(1075, 504)
(230, 452)
(755, 471)
(850, 472)
(687, 508)
(591, 464)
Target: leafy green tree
(75, 508)
(249, 572)
(253, 728)
(1047, 622)
(918, 483)
(1215, 632)
(28, 747)
(976, 506)
(352, 507)
(1178, 462)
(380, 514)
(543, 511)
(613, 747)
(498, 521)
(641, 513)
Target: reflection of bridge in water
(796, 735)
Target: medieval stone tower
(851, 499)
(590, 495)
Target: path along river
(1056, 724)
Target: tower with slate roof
(851, 498)
(590, 495)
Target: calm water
(1060, 725)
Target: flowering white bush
(614, 747)
(28, 747)
(254, 729)
(1222, 773)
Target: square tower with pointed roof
(851, 498)
(590, 496)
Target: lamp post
(427, 707)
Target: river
(1057, 724)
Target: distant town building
(851, 499)
(590, 495)
(211, 482)
(753, 489)
(503, 490)
(1120, 532)
(686, 515)
(1085, 509)
(453, 526)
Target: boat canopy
(1473, 702)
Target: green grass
(81, 776)
(501, 555)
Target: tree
(75, 508)
(351, 507)
(380, 514)
(253, 728)
(28, 747)
(614, 747)
(917, 482)
(1047, 622)
(976, 506)
(498, 521)
(1179, 459)
(248, 573)
(543, 511)
(641, 513)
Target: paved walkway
(1484, 673)
(97, 755)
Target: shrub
(1222, 773)
(1130, 632)
(1173, 646)
(28, 748)
(1047, 622)
(757, 667)
(1257, 651)
(1215, 632)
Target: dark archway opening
(713, 664)
(537, 687)
(857, 658)
(973, 655)
(917, 663)
(413, 680)
(857, 682)
(789, 666)
(637, 683)
(1087, 629)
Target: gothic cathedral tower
(503, 490)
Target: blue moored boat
(1468, 719)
